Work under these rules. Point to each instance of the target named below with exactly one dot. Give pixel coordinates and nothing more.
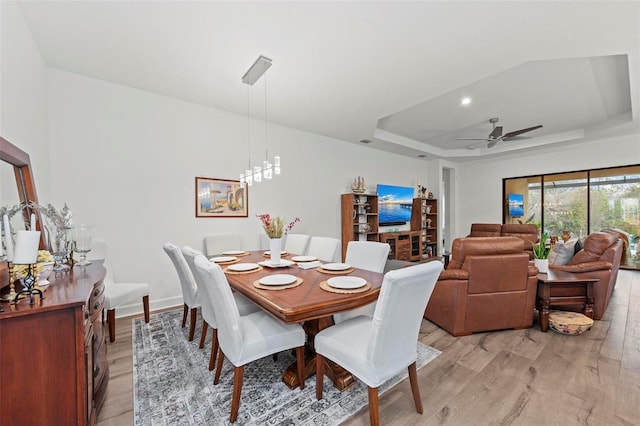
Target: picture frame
(221, 198)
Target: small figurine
(422, 191)
(430, 196)
(358, 186)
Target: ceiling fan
(496, 135)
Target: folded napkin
(309, 265)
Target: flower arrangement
(274, 227)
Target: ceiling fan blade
(521, 131)
(496, 133)
(472, 139)
(492, 143)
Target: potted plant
(541, 254)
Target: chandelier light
(267, 169)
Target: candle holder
(29, 286)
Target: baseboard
(154, 305)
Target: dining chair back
(245, 306)
(216, 244)
(118, 293)
(188, 285)
(245, 338)
(296, 243)
(369, 255)
(324, 248)
(374, 349)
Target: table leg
(588, 304)
(544, 296)
(340, 377)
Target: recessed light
(465, 101)
(422, 155)
(365, 141)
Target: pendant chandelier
(268, 169)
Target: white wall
(23, 99)
(126, 160)
(479, 183)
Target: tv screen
(394, 204)
(516, 205)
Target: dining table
(309, 300)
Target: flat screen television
(516, 205)
(394, 204)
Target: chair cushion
(121, 293)
(572, 323)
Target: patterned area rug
(173, 386)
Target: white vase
(542, 265)
(275, 248)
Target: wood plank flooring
(510, 377)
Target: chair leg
(145, 306)
(214, 349)
(185, 310)
(192, 323)
(415, 388)
(111, 319)
(300, 362)
(216, 378)
(203, 335)
(319, 375)
(238, 372)
(374, 419)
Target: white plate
(233, 252)
(277, 279)
(241, 267)
(283, 263)
(222, 259)
(304, 258)
(346, 282)
(336, 266)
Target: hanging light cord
(249, 127)
(266, 140)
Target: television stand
(404, 245)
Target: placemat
(344, 271)
(326, 287)
(231, 262)
(227, 271)
(283, 254)
(257, 284)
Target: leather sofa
(599, 258)
(527, 232)
(489, 284)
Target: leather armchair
(527, 232)
(489, 284)
(599, 258)
(485, 230)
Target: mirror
(25, 189)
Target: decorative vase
(542, 265)
(59, 245)
(275, 248)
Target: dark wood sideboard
(53, 355)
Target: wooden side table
(560, 288)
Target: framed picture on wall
(221, 198)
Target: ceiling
(389, 72)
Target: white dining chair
(296, 243)
(117, 294)
(369, 255)
(324, 248)
(245, 338)
(190, 301)
(245, 306)
(216, 244)
(374, 349)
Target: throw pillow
(578, 246)
(562, 252)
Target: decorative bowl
(47, 268)
(572, 323)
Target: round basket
(572, 323)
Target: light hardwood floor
(518, 377)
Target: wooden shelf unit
(424, 218)
(404, 245)
(359, 219)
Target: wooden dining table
(307, 303)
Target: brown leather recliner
(489, 284)
(599, 258)
(527, 232)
